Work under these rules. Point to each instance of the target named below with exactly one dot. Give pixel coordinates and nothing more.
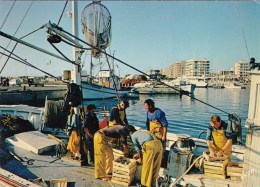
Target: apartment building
(241, 69)
(189, 68)
(196, 68)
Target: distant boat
(154, 88)
(200, 82)
(232, 85)
(105, 88)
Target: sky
(145, 34)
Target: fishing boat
(105, 88)
(51, 168)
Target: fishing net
(96, 24)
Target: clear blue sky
(145, 34)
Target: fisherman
(149, 152)
(156, 121)
(73, 127)
(90, 127)
(219, 140)
(118, 114)
(103, 151)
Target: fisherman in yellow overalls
(118, 114)
(156, 121)
(73, 126)
(219, 141)
(103, 151)
(149, 152)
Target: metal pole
(75, 53)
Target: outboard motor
(180, 156)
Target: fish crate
(123, 171)
(117, 152)
(235, 170)
(212, 159)
(216, 169)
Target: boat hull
(166, 90)
(93, 91)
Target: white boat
(64, 166)
(232, 85)
(162, 89)
(199, 82)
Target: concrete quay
(32, 94)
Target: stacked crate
(215, 167)
(235, 170)
(117, 152)
(123, 171)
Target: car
(35, 81)
(15, 82)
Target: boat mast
(75, 74)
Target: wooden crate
(122, 181)
(117, 153)
(118, 164)
(216, 169)
(123, 174)
(235, 170)
(212, 159)
(59, 182)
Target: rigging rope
(7, 15)
(114, 58)
(16, 45)
(181, 91)
(26, 63)
(113, 78)
(62, 12)
(62, 54)
(17, 31)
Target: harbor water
(187, 115)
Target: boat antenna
(242, 28)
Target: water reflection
(186, 114)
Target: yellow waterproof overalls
(157, 128)
(103, 155)
(152, 158)
(74, 139)
(121, 116)
(219, 141)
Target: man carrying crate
(149, 152)
(103, 151)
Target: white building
(242, 69)
(196, 68)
